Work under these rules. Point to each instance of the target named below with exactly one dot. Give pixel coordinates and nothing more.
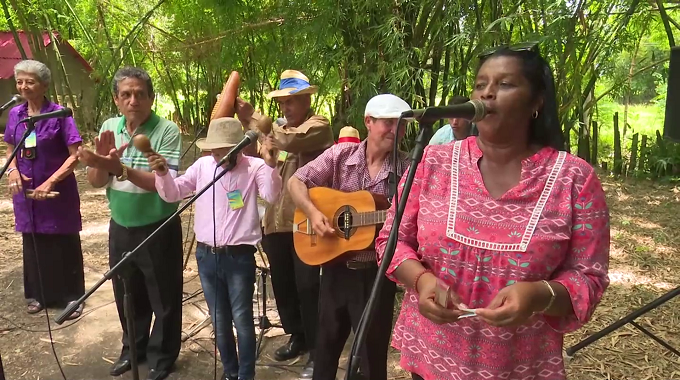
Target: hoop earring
(535, 115)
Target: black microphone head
(252, 135)
(480, 110)
(17, 98)
(67, 112)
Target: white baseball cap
(386, 106)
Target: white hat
(386, 106)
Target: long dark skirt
(61, 269)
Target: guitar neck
(369, 218)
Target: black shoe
(295, 347)
(120, 367)
(308, 371)
(227, 377)
(156, 374)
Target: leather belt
(214, 250)
(358, 265)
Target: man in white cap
(301, 138)
(346, 283)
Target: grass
(644, 119)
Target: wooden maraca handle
(143, 144)
(50, 195)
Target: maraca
(143, 144)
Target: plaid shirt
(343, 167)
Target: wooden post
(642, 162)
(593, 154)
(618, 158)
(633, 155)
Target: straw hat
(223, 132)
(349, 134)
(292, 83)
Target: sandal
(34, 307)
(77, 313)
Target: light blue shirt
(444, 135)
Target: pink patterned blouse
(553, 225)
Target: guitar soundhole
(343, 220)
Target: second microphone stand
(122, 270)
(369, 311)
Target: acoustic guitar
(354, 216)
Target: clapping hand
(106, 156)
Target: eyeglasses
(520, 47)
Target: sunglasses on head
(520, 47)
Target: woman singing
(516, 229)
(50, 226)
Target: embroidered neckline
(533, 220)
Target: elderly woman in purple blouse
(50, 227)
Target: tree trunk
(618, 159)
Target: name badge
(235, 199)
(31, 141)
(283, 155)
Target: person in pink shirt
(225, 252)
(509, 227)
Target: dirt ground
(645, 263)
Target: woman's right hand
(15, 182)
(429, 308)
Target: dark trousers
(58, 264)
(155, 274)
(228, 281)
(416, 377)
(343, 296)
(296, 287)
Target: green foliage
(423, 51)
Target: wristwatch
(124, 175)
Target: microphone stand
(122, 271)
(367, 317)
(30, 126)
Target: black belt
(243, 248)
(358, 265)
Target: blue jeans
(228, 277)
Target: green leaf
(510, 282)
(485, 279)
(454, 253)
(524, 265)
(476, 278)
(578, 206)
(444, 251)
(452, 273)
(589, 205)
(577, 227)
(487, 259)
(513, 262)
(589, 226)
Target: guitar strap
(393, 181)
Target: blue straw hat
(293, 83)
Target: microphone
(15, 99)
(64, 112)
(474, 110)
(247, 140)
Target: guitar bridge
(307, 231)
